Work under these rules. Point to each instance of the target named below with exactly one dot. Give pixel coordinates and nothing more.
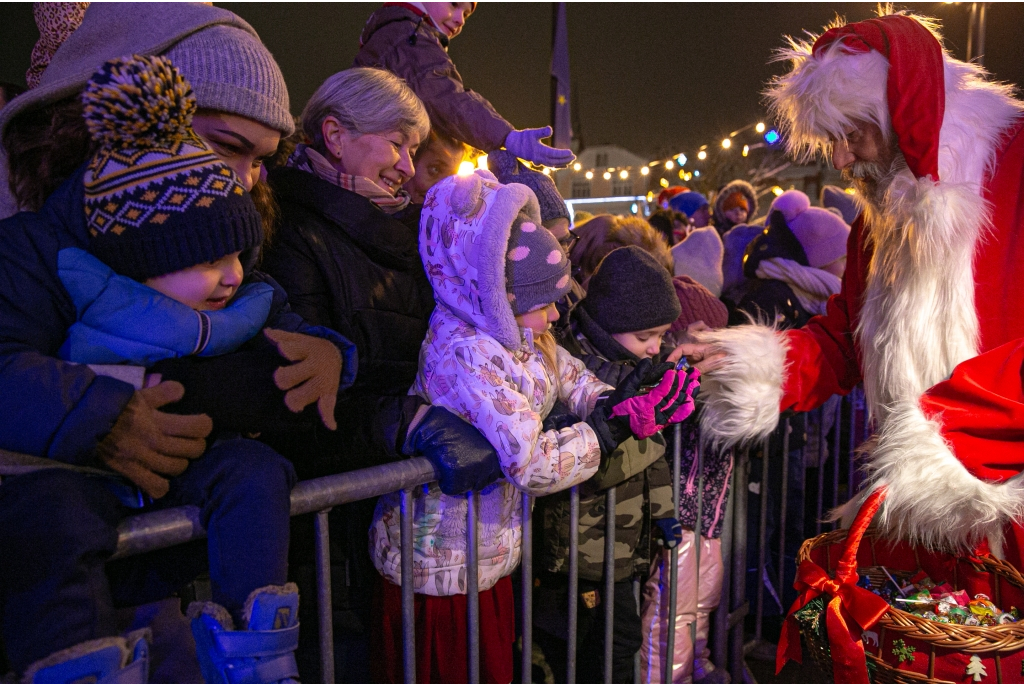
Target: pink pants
(695, 600)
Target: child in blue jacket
(162, 279)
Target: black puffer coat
(347, 265)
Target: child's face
(202, 287)
(539, 320)
(436, 162)
(701, 217)
(736, 215)
(449, 17)
(644, 344)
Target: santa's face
(866, 159)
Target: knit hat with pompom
(157, 199)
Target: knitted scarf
(309, 160)
(811, 286)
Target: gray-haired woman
(347, 255)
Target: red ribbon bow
(851, 610)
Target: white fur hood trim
(741, 398)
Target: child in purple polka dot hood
(489, 357)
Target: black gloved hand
(612, 431)
(463, 458)
(671, 532)
(559, 417)
(236, 390)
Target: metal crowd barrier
(157, 530)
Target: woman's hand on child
(145, 445)
(315, 375)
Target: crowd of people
(204, 300)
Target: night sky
(655, 78)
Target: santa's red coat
(981, 406)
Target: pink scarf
(307, 159)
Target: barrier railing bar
(472, 585)
(636, 657)
(784, 507)
(574, 582)
(527, 588)
(698, 529)
(325, 614)
(667, 674)
(821, 470)
(836, 435)
(159, 529)
(762, 539)
(721, 627)
(408, 601)
(850, 490)
(737, 663)
(609, 581)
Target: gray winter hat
(232, 71)
(631, 292)
(536, 268)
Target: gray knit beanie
(232, 71)
(536, 268)
(631, 292)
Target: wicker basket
(941, 639)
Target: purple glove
(526, 144)
(670, 402)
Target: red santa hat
(889, 71)
(915, 93)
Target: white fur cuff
(741, 398)
(932, 498)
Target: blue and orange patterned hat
(157, 199)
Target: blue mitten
(461, 455)
(526, 145)
(671, 532)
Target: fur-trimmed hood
(464, 232)
(721, 222)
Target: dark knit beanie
(630, 291)
(157, 199)
(697, 303)
(508, 169)
(536, 268)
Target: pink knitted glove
(649, 413)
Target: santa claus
(931, 314)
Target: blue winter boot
(104, 660)
(262, 651)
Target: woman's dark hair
(661, 220)
(44, 147)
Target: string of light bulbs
(770, 137)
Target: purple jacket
(398, 39)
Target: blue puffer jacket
(52, 408)
(121, 321)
